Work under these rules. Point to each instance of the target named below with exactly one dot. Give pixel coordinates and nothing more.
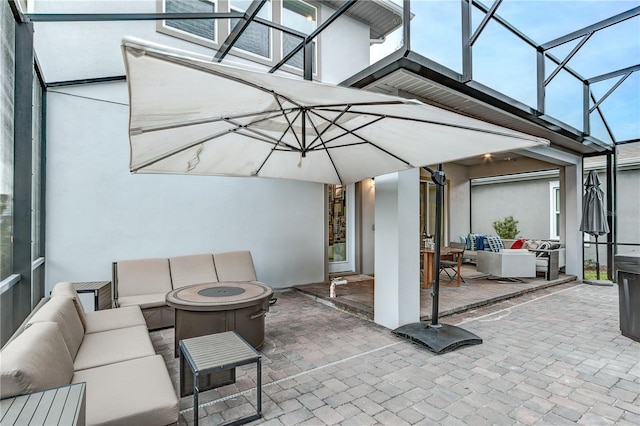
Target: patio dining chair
(450, 266)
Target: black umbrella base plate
(439, 339)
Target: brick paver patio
(554, 357)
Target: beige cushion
(193, 269)
(67, 289)
(235, 266)
(108, 347)
(136, 392)
(35, 360)
(143, 276)
(144, 301)
(62, 311)
(111, 319)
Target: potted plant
(507, 228)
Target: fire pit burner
(221, 291)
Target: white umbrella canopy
(189, 115)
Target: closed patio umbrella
(594, 214)
(189, 115)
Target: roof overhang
(383, 16)
(408, 74)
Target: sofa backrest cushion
(193, 269)
(62, 311)
(143, 276)
(235, 266)
(37, 359)
(66, 289)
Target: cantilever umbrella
(594, 214)
(189, 115)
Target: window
(256, 38)
(302, 17)
(202, 28)
(258, 42)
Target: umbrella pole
(439, 180)
(597, 260)
(438, 338)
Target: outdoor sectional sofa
(109, 350)
(550, 255)
(146, 282)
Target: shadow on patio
(356, 296)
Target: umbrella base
(439, 339)
(598, 282)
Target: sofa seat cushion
(135, 392)
(37, 359)
(144, 301)
(108, 347)
(192, 269)
(112, 319)
(61, 310)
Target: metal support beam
(610, 91)
(612, 74)
(240, 27)
(586, 118)
(540, 57)
(612, 187)
(467, 41)
(307, 61)
(591, 28)
(406, 24)
(568, 58)
(604, 121)
(106, 17)
(345, 6)
(22, 184)
(485, 21)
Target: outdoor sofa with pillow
(110, 350)
(550, 255)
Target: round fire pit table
(202, 309)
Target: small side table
(219, 352)
(65, 405)
(101, 291)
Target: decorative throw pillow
(471, 242)
(531, 244)
(555, 246)
(480, 242)
(495, 243)
(543, 246)
(518, 244)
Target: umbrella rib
(346, 131)
(438, 123)
(237, 129)
(364, 140)
(269, 113)
(319, 136)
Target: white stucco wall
(97, 212)
(344, 48)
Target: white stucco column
(571, 215)
(397, 242)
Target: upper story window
(302, 17)
(202, 28)
(256, 38)
(258, 42)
